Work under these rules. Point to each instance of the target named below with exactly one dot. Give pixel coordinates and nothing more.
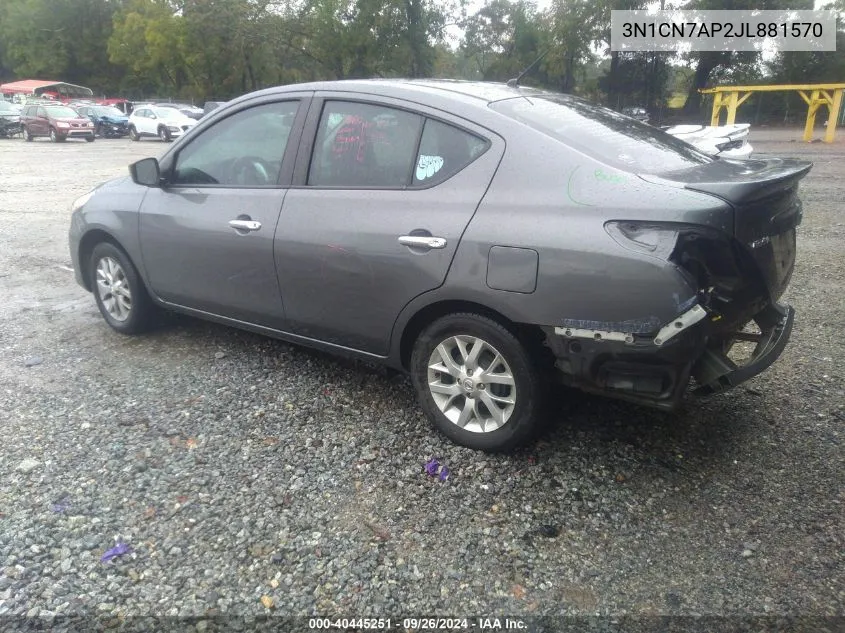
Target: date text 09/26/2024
(457, 625)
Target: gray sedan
(490, 240)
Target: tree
(575, 26)
(706, 62)
(59, 39)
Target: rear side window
(364, 145)
(444, 151)
(602, 133)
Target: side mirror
(146, 172)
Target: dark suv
(57, 121)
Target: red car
(57, 121)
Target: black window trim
(168, 162)
(312, 128)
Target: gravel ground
(249, 476)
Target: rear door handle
(245, 225)
(422, 241)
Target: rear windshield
(602, 133)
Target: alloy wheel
(113, 289)
(471, 383)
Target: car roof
(435, 91)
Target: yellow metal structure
(815, 95)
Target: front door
(207, 235)
(384, 195)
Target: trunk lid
(764, 195)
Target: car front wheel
(477, 382)
(133, 133)
(55, 137)
(26, 135)
(164, 134)
(118, 290)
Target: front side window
(42, 113)
(444, 151)
(242, 150)
(364, 145)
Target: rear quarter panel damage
(555, 201)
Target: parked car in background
(10, 120)
(727, 141)
(108, 121)
(55, 120)
(190, 111)
(485, 238)
(153, 120)
(211, 106)
(123, 105)
(640, 114)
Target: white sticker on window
(428, 166)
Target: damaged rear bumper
(716, 372)
(655, 369)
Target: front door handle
(245, 225)
(422, 241)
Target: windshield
(168, 113)
(62, 112)
(106, 111)
(602, 133)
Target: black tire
(142, 310)
(89, 139)
(98, 130)
(523, 419)
(54, 136)
(133, 133)
(164, 134)
(26, 135)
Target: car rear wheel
(133, 133)
(26, 135)
(477, 382)
(118, 290)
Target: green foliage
(59, 39)
(218, 49)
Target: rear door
(42, 123)
(383, 192)
(207, 235)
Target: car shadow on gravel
(696, 437)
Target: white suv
(165, 123)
